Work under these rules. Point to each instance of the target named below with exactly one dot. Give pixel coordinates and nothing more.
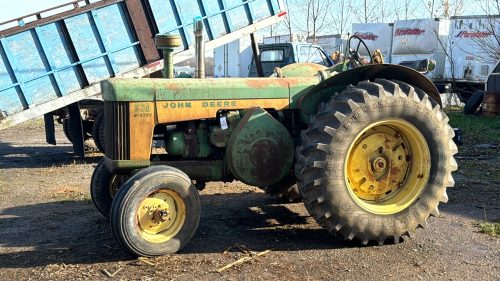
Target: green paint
(260, 150)
(175, 142)
(301, 70)
(125, 89)
(219, 89)
(203, 145)
(219, 136)
(126, 166)
(300, 88)
(199, 170)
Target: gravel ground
(50, 230)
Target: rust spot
(293, 81)
(263, 82)
(395, 170)
(491, 97)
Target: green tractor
(369, 148)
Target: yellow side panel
(175, 111)
(142, 123)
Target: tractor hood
(118, 89)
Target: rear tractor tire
(155, 212)
(376, 161)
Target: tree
(289, 20)
(445, 8)
(340, 21)
(315, 16)
(369, 11)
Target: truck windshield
(271, 55)
(314, 55)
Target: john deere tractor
(369, 148)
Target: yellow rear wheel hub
(387, 166)
(161, 215)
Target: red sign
(469, 58)
(408, 31)
(479, 34)
(366, 35)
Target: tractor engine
(249, 145)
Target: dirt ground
(50, 230)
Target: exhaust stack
(199, 33)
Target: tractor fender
(323, 91)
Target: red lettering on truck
(408, 31)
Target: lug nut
(379, 164)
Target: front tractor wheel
(103, 187)
(376, 161)
(155, 212)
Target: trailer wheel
(155, 212)
(65, 126)
(285, 190)
(98, 132)
(473, 103)
(103, 187)
(88, 142)
(376, 161)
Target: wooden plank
(143, 30)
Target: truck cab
(282, 54)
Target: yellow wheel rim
(161, 215)
(114, 185)
(387, 166)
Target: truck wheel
(98, 132)
(155, 212)
(473, 103)
(65, 125)
(286, 189)
(103, 187)
(376, 161)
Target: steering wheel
(355, 53)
